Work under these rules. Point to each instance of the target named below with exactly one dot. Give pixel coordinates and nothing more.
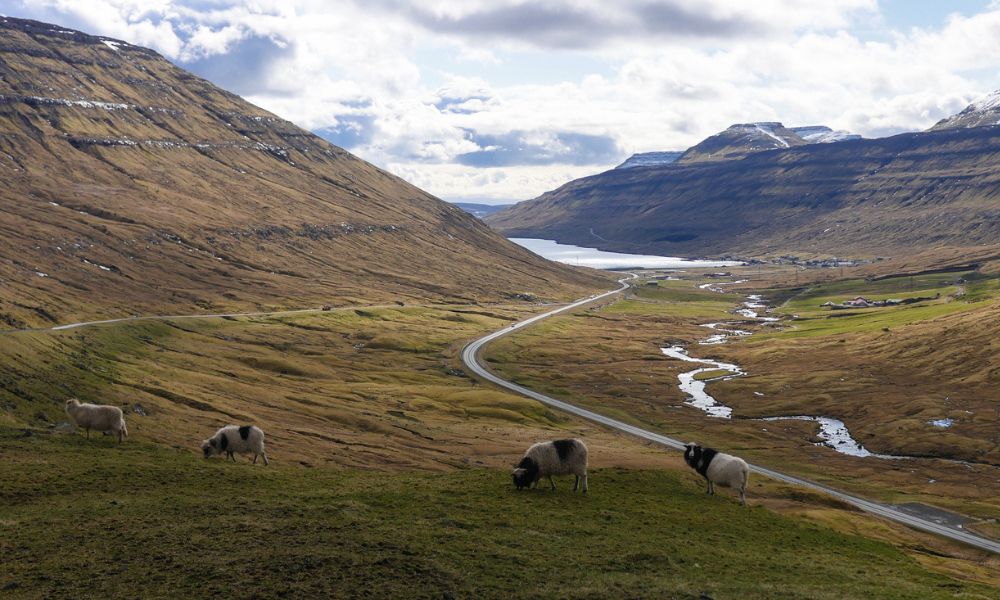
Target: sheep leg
(743, 496)
(552, 483)
(576, 484)
(88, 432)
(254, 459)
(265, 459)
(584, 483)
(232, 457)
(711, 488)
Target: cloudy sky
(501, 100)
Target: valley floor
(390, 471)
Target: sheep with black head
(717, 467)
(558, 457)
(245, 439)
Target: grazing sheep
(717, 467)
(98, 417)
(545, 459)
(248, 439)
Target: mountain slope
(130, 185)
(650, 159)
(740, 140)
(821, 134)
(883, 197)
(984, 112)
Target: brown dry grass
(379, 388)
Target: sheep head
(525, 473)
(209, 448)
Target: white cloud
(418, 87)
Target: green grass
(92, 519)
(889, 287)
(946, 297)
(862, 320)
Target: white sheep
(246, 439)
(720, 468)
(545, 459)
(98, 417)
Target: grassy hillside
(389, 477)
(129, 185)
(86, 519)
(374, 387)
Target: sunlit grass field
(390, 468)
(92, 519)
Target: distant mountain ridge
(984, 112)
(130, 185)
(481, 211)
(650, 159)
(821, 134)
(739, 140)
(761, 189)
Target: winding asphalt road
(470, 356)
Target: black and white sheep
(720, 468)
(545, 459)
(99, 417)
(246, 439)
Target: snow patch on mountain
(650, 159)
(821, 134)
(984, 112)
(770, 133)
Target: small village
(862, 302)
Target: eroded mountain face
(764, 190)
(130, 185)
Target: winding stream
(695, 388)
(833, 432)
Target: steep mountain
(882, 197)
(481, 210)
(650, 159)
(981, 113)
(740, 140)
(821, 134)
(130, 185)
